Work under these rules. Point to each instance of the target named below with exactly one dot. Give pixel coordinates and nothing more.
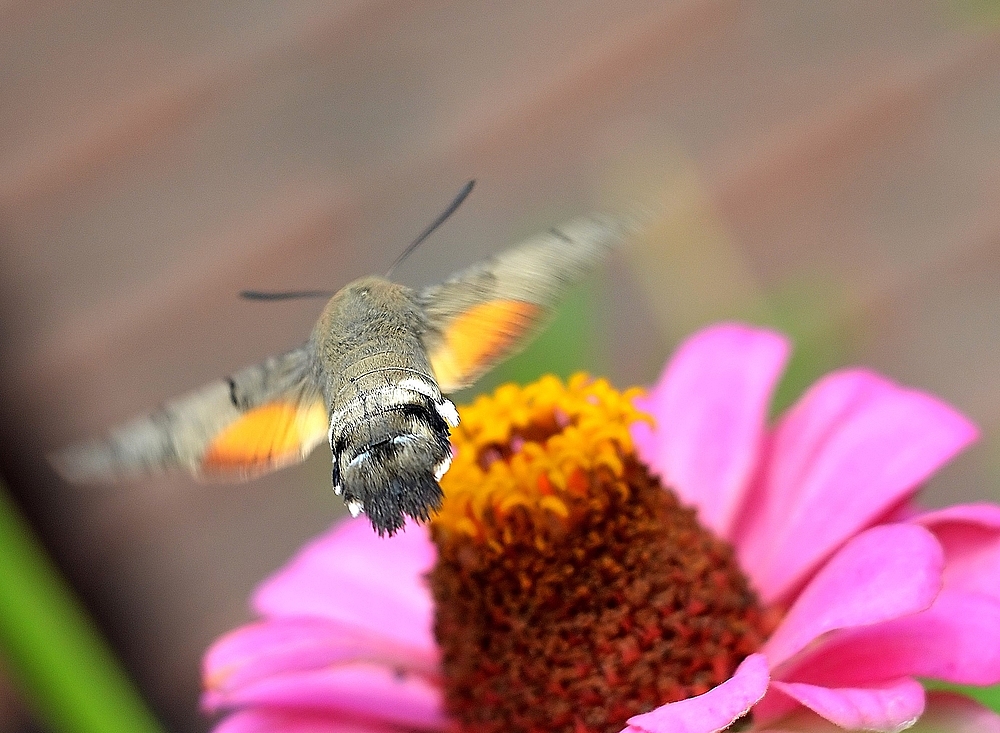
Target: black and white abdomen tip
(388, 466)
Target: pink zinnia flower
(870, 592)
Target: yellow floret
(530, 446)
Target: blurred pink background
(832, 168)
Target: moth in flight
(371, 379)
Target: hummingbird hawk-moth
(371, 379)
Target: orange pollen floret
(531, 447)
(572, 590)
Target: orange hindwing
(265, 438)
(479, 337)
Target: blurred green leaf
(66, 670)
(988, 696)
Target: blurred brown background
(830, 168)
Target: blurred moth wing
(259, 419)
(490, 311)
(371, 380)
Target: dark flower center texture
(572, 590)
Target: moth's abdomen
(388, 419)
(388, 465)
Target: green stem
(54, 650)
(988, 696)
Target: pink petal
(715, 710)
(970, 535)
(355, 577)
(945, 712)
(953, 713)
(279, 646)
(297, 721)
(883, 573)
(710, 407)
(853, 447)
(888, 706)
(359, 690)
(957, 639)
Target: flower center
(572, 591)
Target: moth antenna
(286, 295)
(442, 218)
(296, 294)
